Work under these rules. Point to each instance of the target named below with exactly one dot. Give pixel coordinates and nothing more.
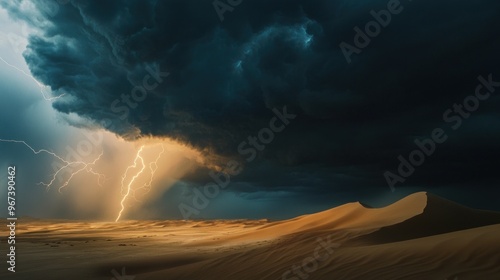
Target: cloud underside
(225, 77)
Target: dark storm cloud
(353, 120)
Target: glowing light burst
(40, 85)
(87, 166)
(130, 191)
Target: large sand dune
(419, 237)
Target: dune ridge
(439, 216)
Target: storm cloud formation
(224, 78)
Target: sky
(300, 106)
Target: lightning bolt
(129, 187)
(40, 85)
(85, 166)
(153, 166)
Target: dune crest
(439, 216)
(348, 216)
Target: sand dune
(439, 216)
(469, 254)
(419, 237)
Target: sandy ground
(419, 237)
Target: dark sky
(225, 77)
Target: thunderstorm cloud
(174, 69)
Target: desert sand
(419, 237)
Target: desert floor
(420, 237)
